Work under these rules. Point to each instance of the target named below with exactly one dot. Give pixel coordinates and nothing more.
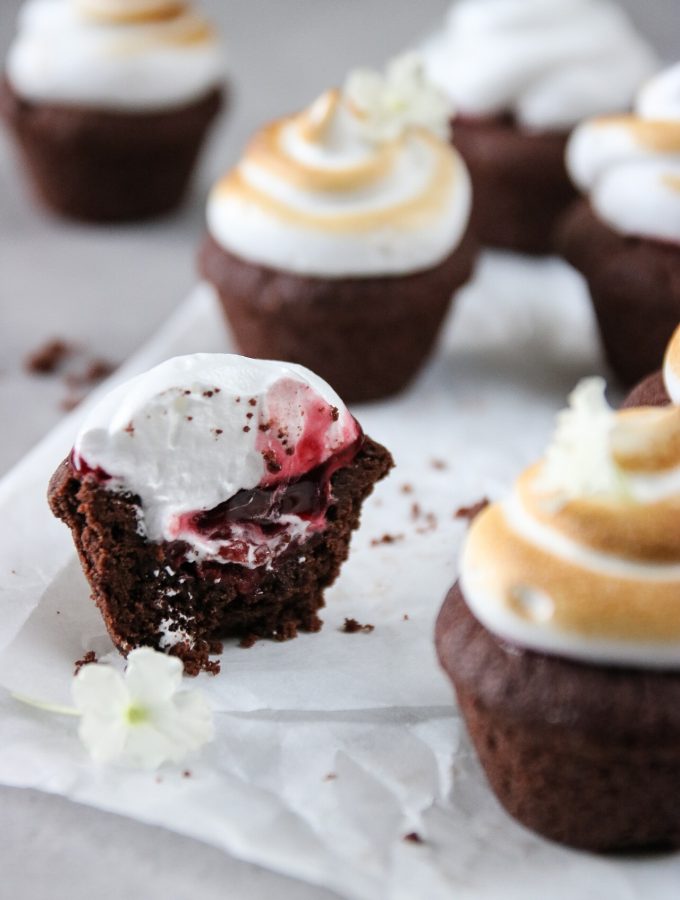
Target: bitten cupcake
(339, 238)
(521, 74)
(110, 101)
(215, 496)
(562, 637)
(663, 387)
(624, 237)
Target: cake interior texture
(154, 594)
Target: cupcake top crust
(630, 165)
(127, 55)
(549, 63)
(196, 431)
(583, 559)
(362, 182)
(671, 368)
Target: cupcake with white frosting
(624, 236)
(562, 637)
(339, 238)
(521, 74)
(110, 102)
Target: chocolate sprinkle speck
(272, 463)
(246, 428)
(351, 626)
(335, 413)
(252, 401)
(208, 393)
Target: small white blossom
(579, 461)
(387, 105)
(140, 718)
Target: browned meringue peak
(126, 12)
(658, 135)
(589, 550)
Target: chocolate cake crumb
(90, 657)
(49, 357)
(439, 464)
(405, 617)
(252, 402)
(330, 777)
(246, 428)
(208, 393)
(351, 626)
(430, 524)
(271, 462)
(96, 370)
(68, 404)
(248, 641)
(407, 488)
(416, 511)
(413, 838)
(335, 413)
(471, 512)
(186, 773)
(387, 539)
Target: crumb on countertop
(351, 626)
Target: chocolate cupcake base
(150, 595)
(635, 288)
(520, 183)
(650, 392)
(588, 756)
(100, 166)
(367, 337)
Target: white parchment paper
(331, 748)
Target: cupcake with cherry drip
(562, 637)
(521, 74)
(110, 102)
(624, 235)
(340, 237)
(215, 496)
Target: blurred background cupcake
(624, 237)
(521, 74)
(339, 238)
(110, 101)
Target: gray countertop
(108, 289)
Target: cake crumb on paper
(387, 539)
(90, 657)
(351, 626)
(413, 838)
(471, 512)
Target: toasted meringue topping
(671, 368)
(358, 183)
(114, 54)
(551, 63)
(630, 165)
(589, 569)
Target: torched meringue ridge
(295, 190)
(139, 55)
(671, 367)
(629, 165)
(596, 578)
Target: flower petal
(99, 688)
(104, 737)
(152, 677)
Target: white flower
(387, 105)
(579, 462)
(140, 718)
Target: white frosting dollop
(551, 63)
(630, 165)
(194, 431)
(361, 183)
(583, 559)
(150, 56)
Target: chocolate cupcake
(625, 236)
(215, 496)
(663, 387)
(110, 101)
(338, 240)
(521, 74)
(562, 637)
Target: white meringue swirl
(551, 63)
(129, 55)
(587, 565)
(630, 165)
(358, 184)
